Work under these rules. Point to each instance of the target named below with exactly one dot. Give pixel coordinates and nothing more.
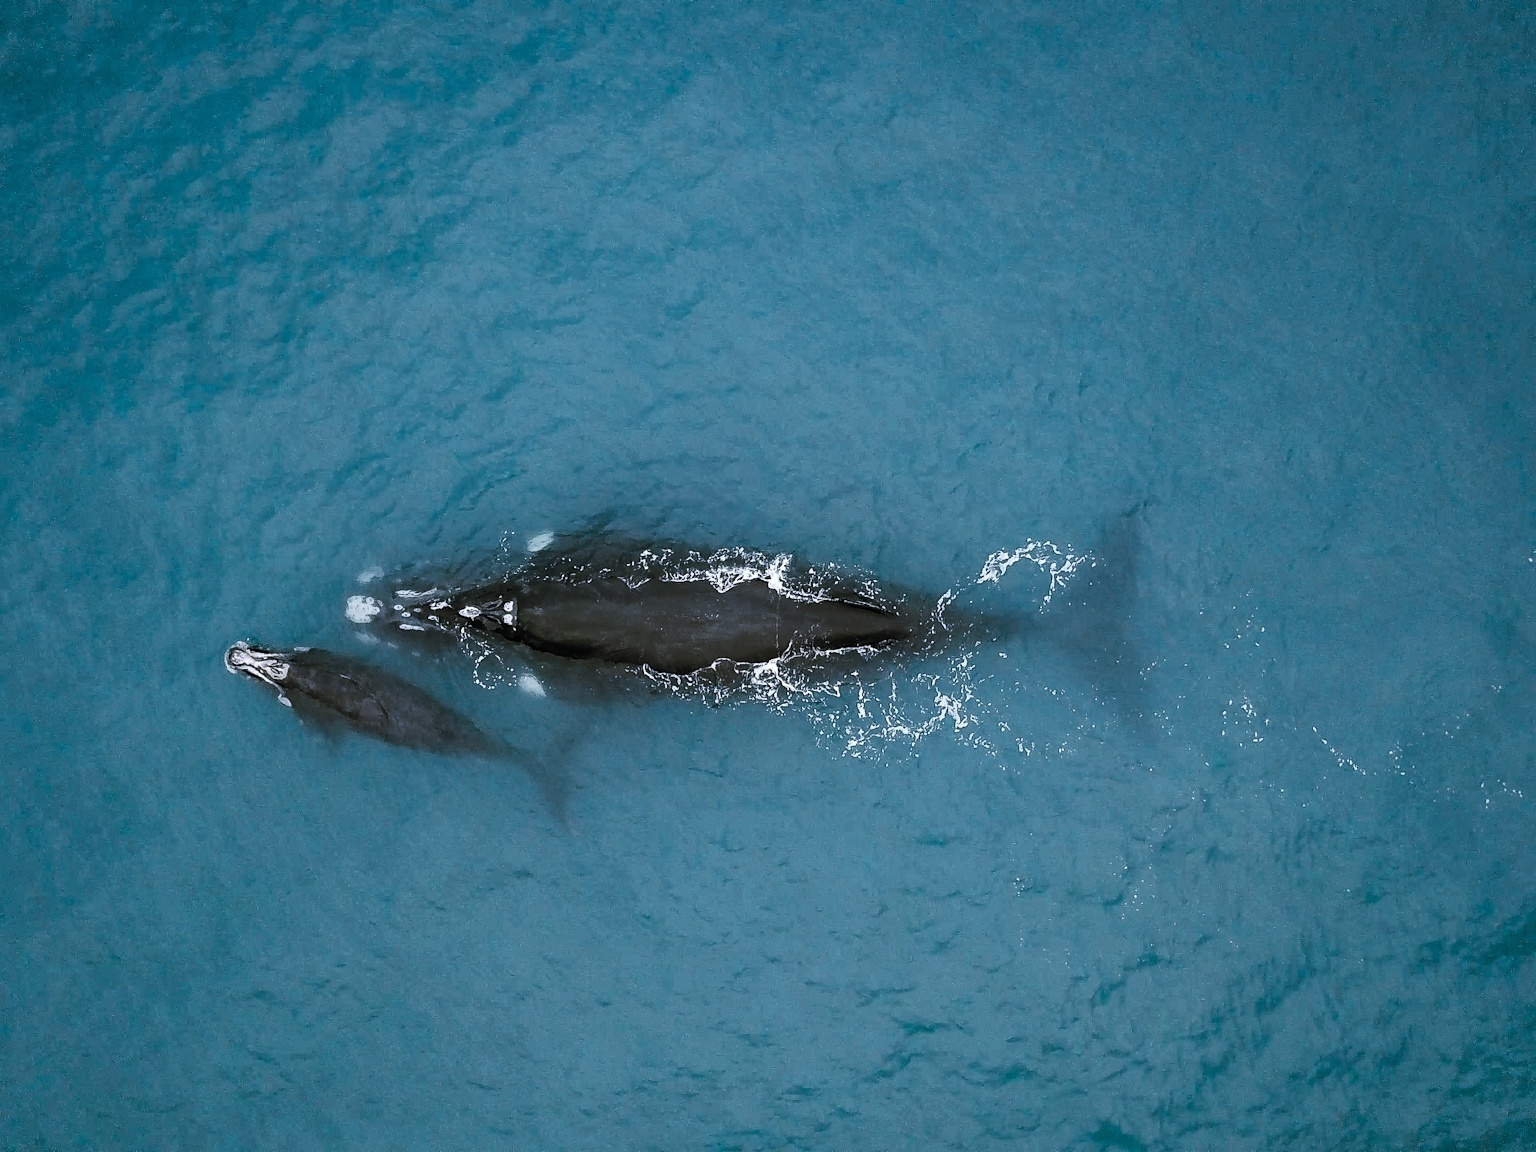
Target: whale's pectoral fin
(316, 717)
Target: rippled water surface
(1183, 357)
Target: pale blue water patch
(292, 293)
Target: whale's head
(269, 667)
(491, 608)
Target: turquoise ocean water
(292, 294)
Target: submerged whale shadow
(1090, 623)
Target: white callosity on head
(469, 612)
(268, 667)
(540, 542)
(363, 609)
(529, 683)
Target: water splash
(1059, 563)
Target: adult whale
(328, 688)
(671, 623)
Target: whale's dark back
(683, 626)
(382, 705)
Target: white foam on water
(363, 609)
(729, 567)
(369, 575)
(1059, 563)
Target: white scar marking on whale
(412, 595)
(362, 609)
(529, 683)
(540, 542)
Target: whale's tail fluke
(1089, 621)
(547, 771)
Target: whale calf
(676, 626)
(327, 687)
(367, 699)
